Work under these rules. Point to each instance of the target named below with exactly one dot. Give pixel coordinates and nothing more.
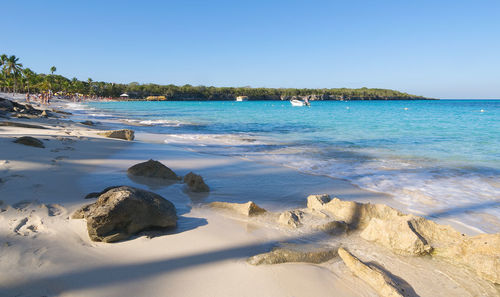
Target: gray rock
(124, 211)
(88, 123)
(125, 134)
(152, 169)
(30, 141)
(294, 253)
(21, 125)
(6, 104)
(195, 183)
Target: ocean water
(436, 157)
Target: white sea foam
(426, 188)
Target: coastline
(56, 257)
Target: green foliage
(12, 75)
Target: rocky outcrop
(125, 134)
(413, 235)
(247, 209)
(30, 141)
(380, 223)
(152, 169)
(374, 277)
(195, 183)
(123, 211)
(19, 110)
(294, 253)
(480, 253)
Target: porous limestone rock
(315, 202)
(332, 227)
(125, 134)
(247, 209)
(377, 279)
(294, 253)
(396, 234)
(152, 169)
(291, 218)
(195, 183)
(123, 211)
(30, 141)
(414, 235)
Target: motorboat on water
(296, 102)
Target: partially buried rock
(30, 141)
(125, 134)
(195, 183)
(152, 169)
(376, 278)
(247, 209)
(88, 123)
(123, 211)
(294, 253)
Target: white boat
(296, 102)
(241, 98)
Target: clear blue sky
(442, 49)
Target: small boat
(296, 102)
(241, 98)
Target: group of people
(43, 98)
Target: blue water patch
(428, 154)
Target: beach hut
(124, 96)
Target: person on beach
(28, 97)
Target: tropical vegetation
(15, 78)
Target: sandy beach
(44, 252)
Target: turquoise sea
(430, 155)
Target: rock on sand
(123, 211)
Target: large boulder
(247, 209)
(123, 211)
(294, 253)
(195, 183)
(376, 278)
(125, 134)
(30, 141)
(152, 169)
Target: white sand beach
(43, 252)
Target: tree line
(16, 78)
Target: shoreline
(57, 257)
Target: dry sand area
(44, 252)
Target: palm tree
(29, 75)
(13, 69)
(53, 69)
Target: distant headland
(15, 78)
